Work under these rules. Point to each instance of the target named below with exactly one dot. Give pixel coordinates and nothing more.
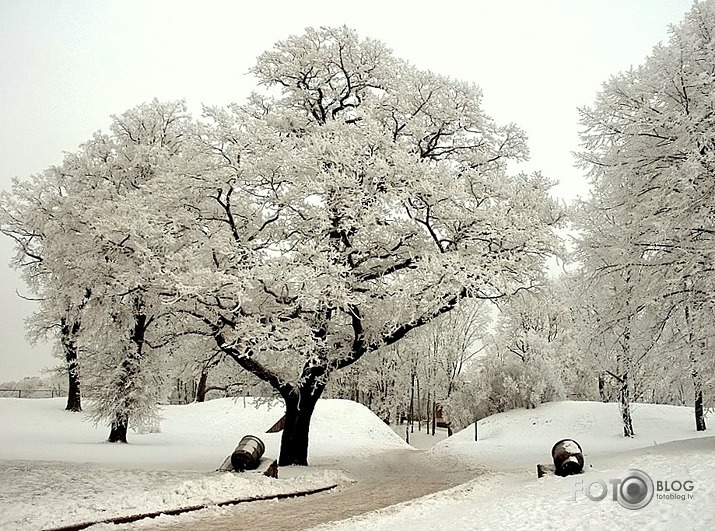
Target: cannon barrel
(568, 457)
(248, 453)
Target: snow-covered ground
(421, 439)
(57, 469)
(510, 496)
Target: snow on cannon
(568, 459)
(248, 453)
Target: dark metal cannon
(248, 453)
(568, 457)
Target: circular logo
(635, 490)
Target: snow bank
(57, 468)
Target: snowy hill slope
(42, 447)
(192, 437)
(506, 494)
(519, 439)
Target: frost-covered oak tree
(118, 250)
(35, 214)
(648, 228)
(89, 251)
(356, 198)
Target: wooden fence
(31, 393)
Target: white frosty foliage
(298, 231)
(646, 239)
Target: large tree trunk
(300, 405)
(68, 333)
(118, 431)
(624, 387)
(699, 410)
(695, 374)
(127, 382)
(74, 395)
(419, 407)
(698, 394)
(412, 403)
(624, 403)
(202, 389)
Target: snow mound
(43, 446)
(521, 438)
(345, 429)
(195, 436)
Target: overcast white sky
(67, 66)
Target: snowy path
(387, 479)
